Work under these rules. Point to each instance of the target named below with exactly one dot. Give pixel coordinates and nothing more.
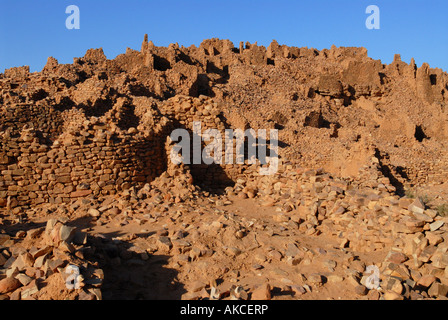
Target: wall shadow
(388, 173)
(128, 277)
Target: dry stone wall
(98, 126)
(96, 158)
(187, 110)
(96, 162)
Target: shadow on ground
(128, 277)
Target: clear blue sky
(33, 30)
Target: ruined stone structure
(100, 126)
(87, 180)
(95, 157)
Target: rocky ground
(92, 208)
(301, 234)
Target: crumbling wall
(94, 161)
(98, 126)
(185, 111)
(94, 157)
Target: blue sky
(31, 31)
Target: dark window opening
(420, 134)
(161, 64)
(433, 79)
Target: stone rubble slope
(86, 177)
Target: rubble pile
(93, 207)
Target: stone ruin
(354, 136)
(99, 126)
(104, 155)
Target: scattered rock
(197, 286)
(94, 212)
(263, 292)
(8, 285)
(426, 281)
(390, 295)
(396, 257)
(361, 290)
(436, 225)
